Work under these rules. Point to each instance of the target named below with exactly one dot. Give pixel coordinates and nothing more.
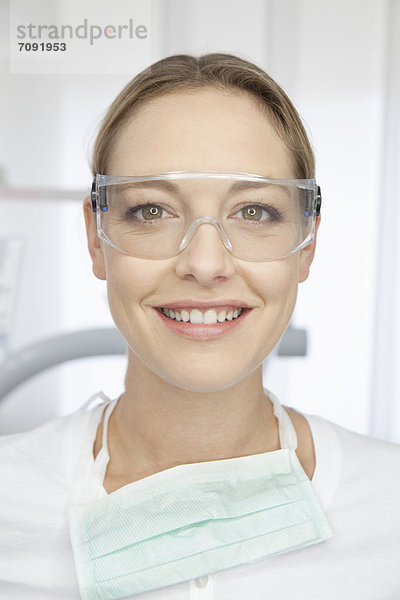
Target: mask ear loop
(101, 395)
(287, 432)
(97, 474)
(107, 415)
(86, 478)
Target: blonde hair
(221, 71)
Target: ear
(307, 255)
(95, 249)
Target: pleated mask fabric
(193, 520)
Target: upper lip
(202, 305)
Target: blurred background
(340, 64)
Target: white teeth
(185, 315)
(196, 316)
(210, 316)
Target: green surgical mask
(194, 519)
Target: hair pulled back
(226, 72)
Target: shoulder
(354, 466)
(36, 474)
(364, 449)
(46, 453)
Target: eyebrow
(244, 185)
(167, 186)
(161, 184)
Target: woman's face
(202, 130)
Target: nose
(205, 257)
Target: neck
(156, 426)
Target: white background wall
(335, 61)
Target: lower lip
(202, 331)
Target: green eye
(252, 213)
(259, 213)
(145, 212)
(151, 212)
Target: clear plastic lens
(257, 219)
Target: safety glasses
(156, 216)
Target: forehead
(203, 129)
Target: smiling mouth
(208, 317)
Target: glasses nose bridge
(201, 221)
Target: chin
(206, 380)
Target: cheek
(284, 294)
(276, 282)
(129, 282)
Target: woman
(196, 482)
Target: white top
(357, 479)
